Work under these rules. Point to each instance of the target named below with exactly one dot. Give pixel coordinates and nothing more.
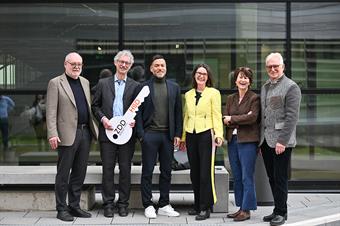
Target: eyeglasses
(201, 73)
(122, 62)
(274, 66)
(74, 65)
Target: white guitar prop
(122, 131)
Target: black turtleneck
(160, 118)
(79, 96)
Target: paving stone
(42, 214)
(52, 221)
(93, 221)
(302, 208)
(135, 217)
(12, 214)
(168, 220)
(18, 221)
(212, 220)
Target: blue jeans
(242, 158)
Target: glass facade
(36, 37)
(315, 52)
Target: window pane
(315, 65)
(36, 37)
(223, 35)
(316, 44)
(317, 155)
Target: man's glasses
(122, 62)
(74, 65)
(274, 66)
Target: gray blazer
(280, 106)
(103, 100)
(61, 110)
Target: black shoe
(64, 216)
(193, 212)
(108, 212)
(77, 212)
(278, 220)
(203, 215)
(271, 217)
(123, 211)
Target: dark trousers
(156, 143)
(4, 132)
(277, 171)
(72, 158)
(199, 149)
(110, 154)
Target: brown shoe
(242, 216)
(233, 215)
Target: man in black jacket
(159, 128)
(113, 97)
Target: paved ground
(304, 210)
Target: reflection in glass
(315, 65)
(35, 38)
(223, 35)
(36, 115)
(317, 156)
(6, 107)
(315, 44)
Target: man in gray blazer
(113, 97)
(70, 127)
(280, 106)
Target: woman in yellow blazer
(202, 132)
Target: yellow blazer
(205, 115)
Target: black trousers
(277, 171)
(72, 158)
(156, 143)
(110, 154)
(199, 149)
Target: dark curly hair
(246, 71)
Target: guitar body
(121, 132)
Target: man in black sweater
(70, 127)
(159, 128)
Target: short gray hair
(124, 53)
(276, 55)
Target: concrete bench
(32, 187)
(50, 157)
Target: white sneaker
(168, 211)
(150, 212)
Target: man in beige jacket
(70, 127)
